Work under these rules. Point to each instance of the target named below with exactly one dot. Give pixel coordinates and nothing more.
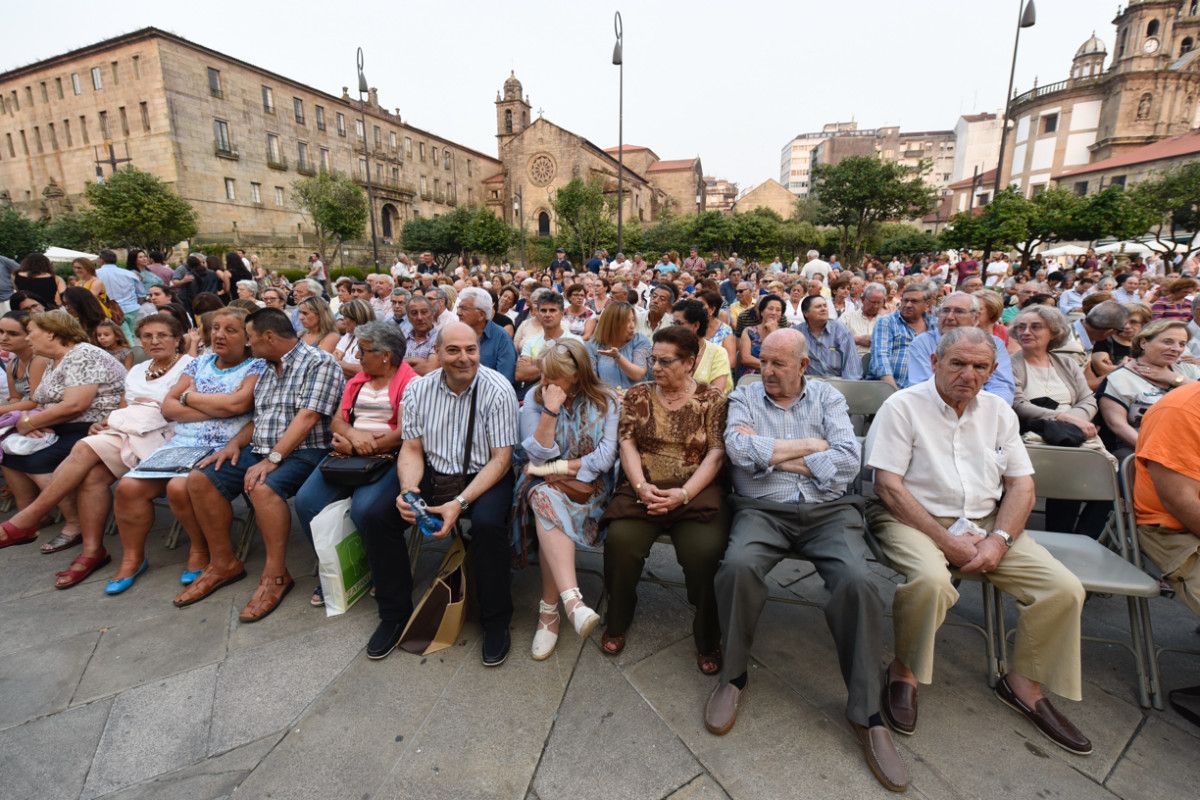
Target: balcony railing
(386, 182)
(225, 150)
(1051, 88)
(277, 162)
(306, 168)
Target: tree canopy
(464, 231)
(337, 207)
(132, 208)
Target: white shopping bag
(342, 559)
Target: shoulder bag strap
(470, 433)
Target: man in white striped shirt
(438, 413)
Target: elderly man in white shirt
(815, 266)
(954, 492)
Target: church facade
(538, 158)
(1147, 93)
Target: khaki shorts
(1177, 554)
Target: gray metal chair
(1070, 473)
(863, 397)
(747, 379)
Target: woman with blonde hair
(569, 432)
(620, 355)
(319, 330)
(991, 307)
(351, 315)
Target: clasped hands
(659, 501)
(972, 553)
(360, 442)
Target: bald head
(458, 352)
(783, 359)
(456, 334)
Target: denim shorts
(286, 479)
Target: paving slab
(40, 680)
(48, 758)
(702, 788)
(264, 689)
(1161, 763)
(134, 653)
(213, 778)
(153, 729)
(663, 617)
(609, 742)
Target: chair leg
(1138, 646)
(1001, 631)
(1156, 691)
(247, 533)
(414, 546)
(173, 535)
(989, 625)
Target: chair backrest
(866, 363)
(1077, 473)
(751, 377)
(1128, 473)
(863, 397)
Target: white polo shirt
(954, 466)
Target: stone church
(538, 158)
(1147, 93)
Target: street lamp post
(1027, 17)
(619, 60)
(362, 118)
(519, 211)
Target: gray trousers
(830, 535)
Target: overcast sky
(731, 82)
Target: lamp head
(1029, 15)
(362, 79)
(619, 30)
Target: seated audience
(317, 321)
(895, 332)
(496, 349)
(620, 355)
(550, 318)
(769, 315)
(954, 487)
(25, 369)
(861, 320)
(959, 309)
(421, 342)
(831, 349)
(672, 450)
(712, 364)
(1114, 351)
(345, 352)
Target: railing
(306, 168)
(225, 150)
(386, 182)
(1051, 88)
(278, 162)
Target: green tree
(711, 232)
(906, 240)
(1171, 202)
(19, 235)
(1111, 212)
(807, 209)
(488, 234)
(1015, 222)
(756, 233)
(670, 232)
(336, 206)
(580, 215)
(859, 193)
(132, 208)
(427, 233)
(72, 230)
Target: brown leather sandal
(63, 541)
(209, 581)
(612, 643)
(80, 569)
(709, 663)
(267, 597)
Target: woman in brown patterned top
(672, 448)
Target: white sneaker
(544, 639)
(583, 618)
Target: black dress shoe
(495, 647)
(384, 639)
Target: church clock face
(1150, 46)
(541, 170)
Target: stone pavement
(128, 697)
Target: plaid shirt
(820, 412)
(312, 381)
(889, 346)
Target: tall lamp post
(362, 118)
(519, 212)
(619, 60)
(1027, 17)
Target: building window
(1036, 189)
(256, 192)
(137, 67)
(421, 150)
(433, 154)
(124, 121)
(58, 87)
(1050, 123)
(1080, 188)
(378, 134)
(468, 167)
(83, 128)
(214, 82)
(470, 196)
(543, 223)
(145, 109)
(395, 175)
(221, 137)
(67, 131)
(230, 189)
(45, 93)
(115, 75)
(341, 124)
(12, 152)
(446, 159)
(1117, 180)
(97, 80)
(392, 139)
(298, 110)
(24, 143)
(268, 98)
(424, 186)
(320, 112)
(408, 147)
(1152, 28)
(29, 96)
(278, 195)
(359, 131)
(302, 155)
(324, 153)
(75, 87)
(104, 125)
(1186, 46)
(508, 120)
(37, 137)
(273, 155)
(53, 136)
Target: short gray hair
(974, 300)
(924, 287)
(874, 288)
(1056, 322)
(964, 335)
(400, 291)
(251, 286)
(479, 297)
(439, 291)
(813, 254)
(310, 284)
(386, 336)
(1109, 315)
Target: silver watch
(462, 501)
(1003, 536)
(274, 456)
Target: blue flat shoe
(190, 575)
(116, 587)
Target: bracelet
(638, 489)
(686, 499)
(550, 413)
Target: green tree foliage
(19, 235)
(72, 230)
(132, 208)
(1171, 202)
(488, 234)
(1015, 222)
(581, 217)
(711, 232)
(906, 240)
(858, 194)
(336, 206)
(1113, 212)
(756, 233)
(464, 231)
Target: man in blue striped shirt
(895, 332)
(794, 454)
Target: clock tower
(1146, 35)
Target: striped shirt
(820, 412)
(889, 346)
(438, 417)
(311, 381)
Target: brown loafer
(899, 705)
(882, 757)
(722, 708)
(1047, 719)
(267, 597)
(209, 581)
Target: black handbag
(353, 471)
(444, 488)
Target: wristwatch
(462, 501)
(274, 456)
(1003, 536)
(183, 398)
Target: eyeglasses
(945, 311)
(157, 337)
(655, 361)
(1032, 327)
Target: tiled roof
(984, 180)
(1183, 145)
(497, 178)
(672, 166)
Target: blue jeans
(373, 511)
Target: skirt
(46, 461)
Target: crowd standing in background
(605, 406)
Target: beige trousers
(1177, 554)
(1049, 597)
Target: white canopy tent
(1065, 250)
(63, 254)
(1130, 248)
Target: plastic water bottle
(428, 524)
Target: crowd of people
(606, 406)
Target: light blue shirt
(123, 286)
(7, 268)
(920, 365)
(833, 354)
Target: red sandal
(11, 535)
(80, 569)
